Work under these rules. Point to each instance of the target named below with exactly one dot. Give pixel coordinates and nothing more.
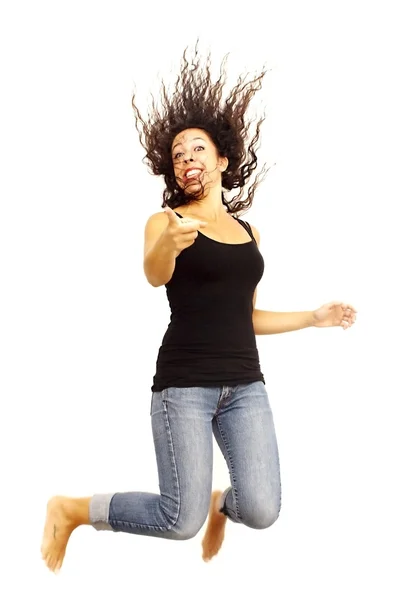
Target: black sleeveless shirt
(210, 340)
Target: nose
(188, 159)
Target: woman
(208, 380)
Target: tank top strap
(246, 226)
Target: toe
(53, 565)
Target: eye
(177, 155)
(198, 148)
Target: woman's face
(196, 160)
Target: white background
(80, 326)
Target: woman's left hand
(335, 314)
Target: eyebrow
(196, 138)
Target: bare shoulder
(256, 234)
(156, 219)
(154, 227)
(156, 223)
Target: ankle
(77, 511)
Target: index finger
(347, 306)
(172, 216)
(192, 225)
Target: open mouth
(191, 175)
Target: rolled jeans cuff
(99, 511)
(222, 501)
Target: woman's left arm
(332, 314)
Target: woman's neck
(210, 208)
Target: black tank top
(210, 340)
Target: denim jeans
(184, 421)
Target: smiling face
(196, 161)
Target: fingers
(187, 224)
(192, 226)
(349, 307)
(194, 223)
(349, 314)
(173, 218)
(343, 305)
(349, 317)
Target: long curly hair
(196, 102)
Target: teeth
(192, 173)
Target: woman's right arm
(159, 255)
(165, 237)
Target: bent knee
(187, 528)
(183, 534)
(261, 516)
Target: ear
(223, 164)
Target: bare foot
(59, 525)
(215, 531)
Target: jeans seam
(119, 523)
(172, 453)
(231, 469)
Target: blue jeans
(184, 421)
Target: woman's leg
(182, 433)
(244, 429)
